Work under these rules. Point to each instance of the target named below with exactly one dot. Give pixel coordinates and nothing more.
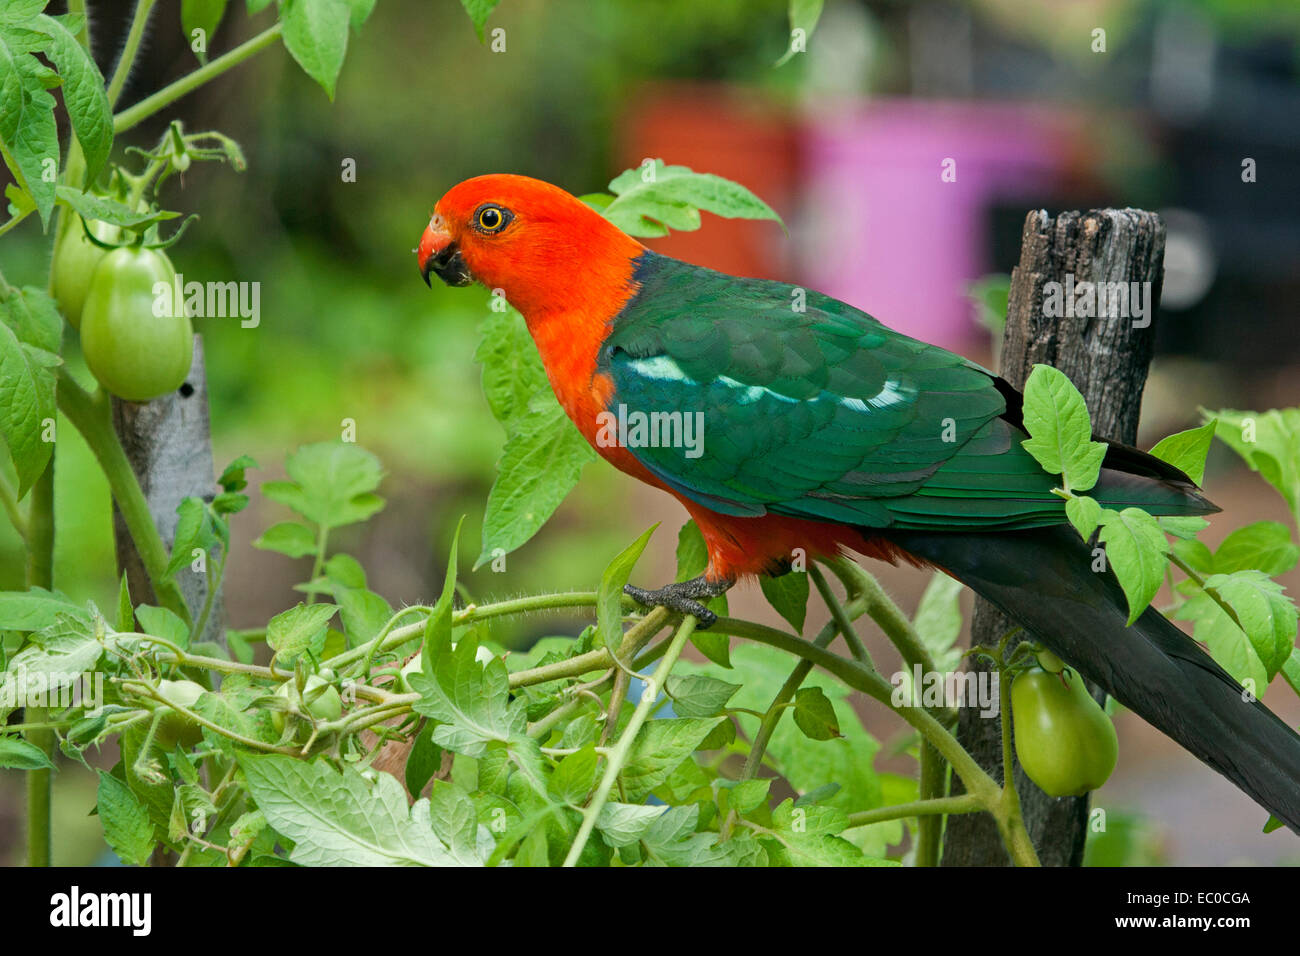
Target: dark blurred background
(845, 141)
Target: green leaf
(697, 695)
(609, 595)
(574, 776)
(104, 209)
(83, 94)
(18, 754)
(1263, 546)
(1186, 527)
(540, 465)
(471, 702)
(660, 746)
(513, 374)
(693, 561)
(455, 822)
(341, 820)
(127, 828)
(654, 197)
(1084, 513)
(299, 629)
(289, 538)
(1187, 450)
(1269, 442)
(58, 655)
(424, 760)
(33, 610)
(807, 836)
(1137, 552)
(1060, 433)
(160, 622)
(1266, 613)
(125, 607)
(26, 404)
(804, 15)
(35, 319)
(27, 127)
(624, 824)
(749, 794)
(437, 628)
(788, 595)
(332, 484)
(479, 11)
(233, 477)
(194, 529)
(363, 613)
(316, 34)
(938, 620)
(202, 15)
(814, 714)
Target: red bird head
(541, 246)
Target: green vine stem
(841, 620)
(618, 757)
(933, 809)
(89, 414)
(929, 828)
(169, 94)
(40, 573)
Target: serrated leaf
(652, 198)
(624, 824)
(1084, 513)
(1269, 442)
(470, 701)
(1266, 613)
(814, 714)
(332, 484)
(749, 794)
(574, 776)
(289, 538)
(1136, 551)
(539, 466)
(83, 93)
(696, 695)
(160, 622)
(513, 374)
(127, 828)
(299, 629)
(316, 35)
(18, 754)
(1187, 450)
(479, 11)
(26, 404)
(1263, 546)
(338, 819)
(660, 746)
(34, 609)
(105, 209)
(609, 595)
(1060, 432)
(788, 595)
(27, 126)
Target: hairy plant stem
(40, 573)
(124, 64)
(858, 649)
(90, 415)
(169, 94)
(931, 787)
(618, 757)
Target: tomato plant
(75, 260)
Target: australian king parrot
(824, 431)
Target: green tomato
(75, 259)
(175, 727)
(320, 704)
(1064, 740)
(137, 340)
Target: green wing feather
(813, 409)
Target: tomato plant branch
(616, 760)
(10, 503)
(90, 416)
(931, 786)
(169, 94)
(932, 808)
(845, 626)
(896, 625)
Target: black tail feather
(1043, 579)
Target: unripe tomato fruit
(75, 259)
(175, 727)
(327, 705)
(1064, 740)
(136, 354)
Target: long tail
(1043, 580)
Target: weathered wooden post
(1106, 358)
(168, 443)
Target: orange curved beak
(433, 248)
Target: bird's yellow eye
(491, 218)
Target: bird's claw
(681, 597)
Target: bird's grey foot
(682, 597)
